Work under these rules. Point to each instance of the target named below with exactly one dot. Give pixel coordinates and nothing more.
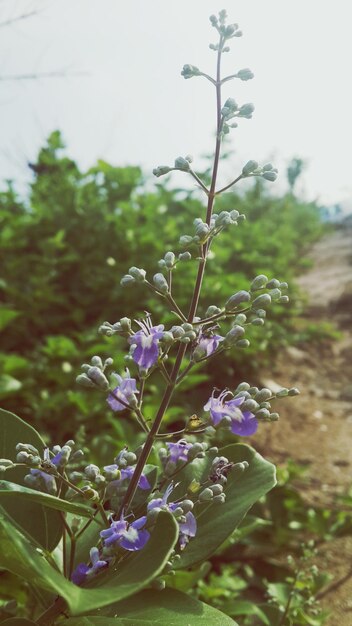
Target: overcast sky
(123, 98)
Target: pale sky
(130, 105)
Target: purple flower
(208, 345)
(83, 571)
(188, 527)
(178, 451)
(146, 342)
(131, 537)
(126, 474)
(125, 390)
(243, 423)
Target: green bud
(243, 387)
(250, 405)
(274, 417)
(261, 301)
(217, 489)
(202, 232)
(186, 240)
(236, 299)
(212, 310)
(271, 176)
(282, 393)
(219, 499)
(259, 282)
(243, 343)
(293, 391)
(169, 259)
(206, 495)
(125, 324)
(246, 110)
(26, 447)
(161, 170)
(283, 300)
(97, 362)
(185, 256)
(5, 463)
(233, 335)
(127, 280)
(167, 338)
(273, 284)
(258, 321)
(283, 285)
(97, 376)
(240, 319)
(177, 332)
(275, 294)
(263, 414)
(249, 168)
(84, 381)
(263, 395)
(245, 74)
(182, 164)
(160, 283)
(137, 273)
(188, 71)
(261, 313)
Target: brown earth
(315, 428)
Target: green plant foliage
(23, 558)
(157, 607)
(243, 490)
(42, 523)
(20, 493)
(64, 249)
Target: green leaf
(244, 607)
(9, 384)
(216, 522)
(25, 494)
(22, 557)
(41, 523)
(6, 316)
(17, 621)
(149, 607)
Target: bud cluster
(181, 164)
(122, 327)
(258, 401)
(204, 232)
(94, 376)
(267, 171)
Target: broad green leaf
(244, 607)
(149, 608)
(11, 490)
(22, 557)
(6, 316)
(9, 384)
(216, 522)
(41, 523)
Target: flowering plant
(100, 542)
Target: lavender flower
(131, 537)
(125, 474)
(146, 342)
(178, 451)
(242, 423)
(125, 390)
(83, 571)
(188, 525)
(209, 344)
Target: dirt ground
(315, 428)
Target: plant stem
(154, 430)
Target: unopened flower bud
(161, 170)
(271, 176)
(177, 332)
(97, 362)
(245, 74)
(125, 323)
(243, 387)
(263, 414)
(217, 489)
(283, 285)
(189, 71)
(240, 319)
(212, 310)
(206, 495)
(236, 299)
(274, 417)
(169, 259)
(90, 494)
(220, 498)
(185, 256)
(249, 168)
(273, 284)
(243, 343)
(259, 282)
(230, 30)
(283, 300)
(182, 164)
(246, 110)
(233, 335)
(187, 505)
(96, 375)
(137, 273)
(185, 241)
(160, 283)
(257, 321)
(282, 393)
(92, 471)
(263, 300)
(127, 279)
(293, 391)
(275, 294)
(263, 395)
(250, 405)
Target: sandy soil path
(315, 428)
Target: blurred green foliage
(63, 250)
